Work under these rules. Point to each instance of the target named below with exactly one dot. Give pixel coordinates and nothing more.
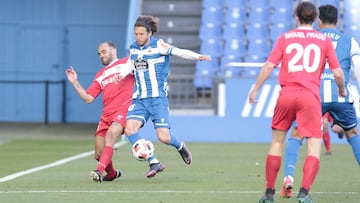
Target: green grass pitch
(220, 173)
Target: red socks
(326, 139)
(310, 171)
(105, 162)
(273, 164)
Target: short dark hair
(306, 12)
(111, 44)
(151, 23)
(328, 14)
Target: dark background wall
(40, 39)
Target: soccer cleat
(185, 153)
(95, 176)
(287, 186)
(304, 198)
(154, 169)
(117, 175)
(268, 197)
(328, 153)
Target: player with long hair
(150, 58)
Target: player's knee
(130, 131)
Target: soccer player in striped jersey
(150, 57)
(303, 53)
(116, 100)
(340, 108)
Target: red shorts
(106, 120)
(300, 105)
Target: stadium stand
(259, 11)
(352, 19)
(235, 11)
(250, 27)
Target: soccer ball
(143, 149)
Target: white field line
(53, 164)
(162, 191)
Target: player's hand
(71, 74)
(204, 58)
(342, 92)
(252, 97)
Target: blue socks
(174, 141)
(355, 144)
(291, 155)
(133, 138)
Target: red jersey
(115, 95)
(303, 53)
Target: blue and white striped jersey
(151, 69)
(345, 47)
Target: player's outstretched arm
(166, 48)
(72, 77)
(187, 54)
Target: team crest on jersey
(141, 64)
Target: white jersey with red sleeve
(303, 53)
(115, 94)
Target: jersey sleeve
(94, 89)
(276, 53)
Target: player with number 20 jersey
(303, 53)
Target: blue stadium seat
(235, 15)
(213, 3)
(205, 71)
(278, 29)
(209, 30)
(289, 4)
(212, 46)
(353, 31)
(259, 4)
(233, 31)
(259, 11)
(282, 11)
(257, 30)
(235, 4)
(257, 52)
(213, 15)
(234, 46)
(351, 12)
(212, 66)
(351, 18)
